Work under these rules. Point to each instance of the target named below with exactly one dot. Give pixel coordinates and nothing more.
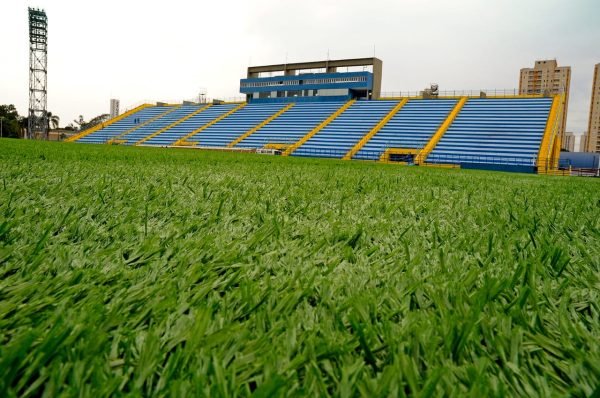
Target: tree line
(12, 125)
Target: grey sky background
(169, 49)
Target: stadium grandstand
(335, 109)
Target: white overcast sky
(169, 49)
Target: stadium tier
(166, 119)
(292, 125)
(227, 130)
(339, 136)
(204, 115)
(497, 133)
(411, 127)
(502, 132)
(122, 126)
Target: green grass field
(155, 272)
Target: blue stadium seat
(159, 123)
(411, 127)
(113, 130)
(495, 131)
(170, 136)
(292, 125)
(225, 131)
(339, 136)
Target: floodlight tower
(38, 71)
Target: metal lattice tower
(38, 71)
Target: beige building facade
(584, 142)
(593, 137)
(546, 77)
(569, 142)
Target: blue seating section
(291, 125)
(339, 136)
(159, 123)
(170, 136)
(224, 131)
(487, 133)
(113, 130)
(495, 131)
(411, 127)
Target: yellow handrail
(183, 140)
(422, 156)
(375, 130)
(259, 126)
(175, 123)
(100, 126)
(314, 131)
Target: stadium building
(335, 109)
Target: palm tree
(53, 120)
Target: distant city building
(569, 143)
(593, 137)
(583, 142)
(546, 77)
(114, 108)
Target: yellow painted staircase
(375, 130)
(422, 155)
(117, 139)
(183, 141)
(549, 151)
(175, 123)
(100, 126)
(321, 126)
(260, 125)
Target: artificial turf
(165, 272)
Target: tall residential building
(114, 108)
(569, 143)
(546, 77)
(583, 143)
(593, 137)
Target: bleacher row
(499, 131)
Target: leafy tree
(83, 125)
(10, 121)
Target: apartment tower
(569, 142)
(583, 143)
(593, 137)
(546, 77)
